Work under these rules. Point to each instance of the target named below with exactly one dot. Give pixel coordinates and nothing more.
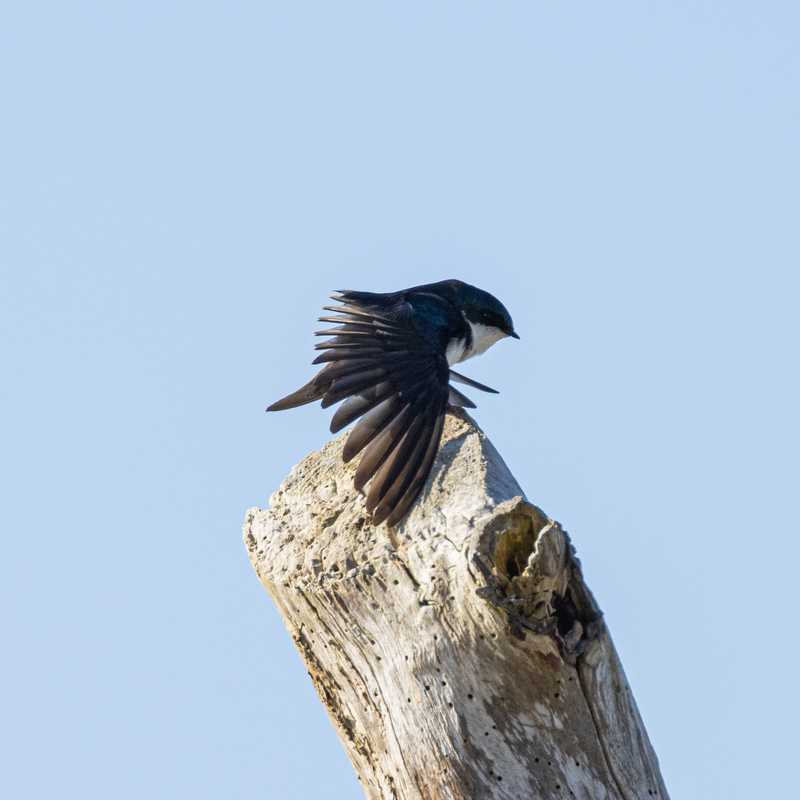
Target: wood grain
(460, 654)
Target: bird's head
(482, 308)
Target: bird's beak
(514, 335)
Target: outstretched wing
(387, 363)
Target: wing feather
(459, 378)
(339, 354)
(359, 404)
(396, 460)
(371, 425)
(456, 398)
(420, 476)
(349, 385)
(404, 466)
(381, 446)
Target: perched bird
(390, 359)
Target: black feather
(351, 329)
(345, 353)
(370, 426)
(396, 459)
(352, 384)
(456, 398)
(420, 476)
(351, 311)
(459, 378)
(360, 404)
(381, 446)
(394, 493)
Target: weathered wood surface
(459, 655)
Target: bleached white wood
(459, 655)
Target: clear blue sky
(181, 184)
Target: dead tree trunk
(460, 655)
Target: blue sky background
(181, 184)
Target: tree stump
(460, 655)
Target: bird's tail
(312, 391)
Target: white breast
(455, 351)
(483, 337)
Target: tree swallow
(390, 359)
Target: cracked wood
(459, 655)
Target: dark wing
(387, 363)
